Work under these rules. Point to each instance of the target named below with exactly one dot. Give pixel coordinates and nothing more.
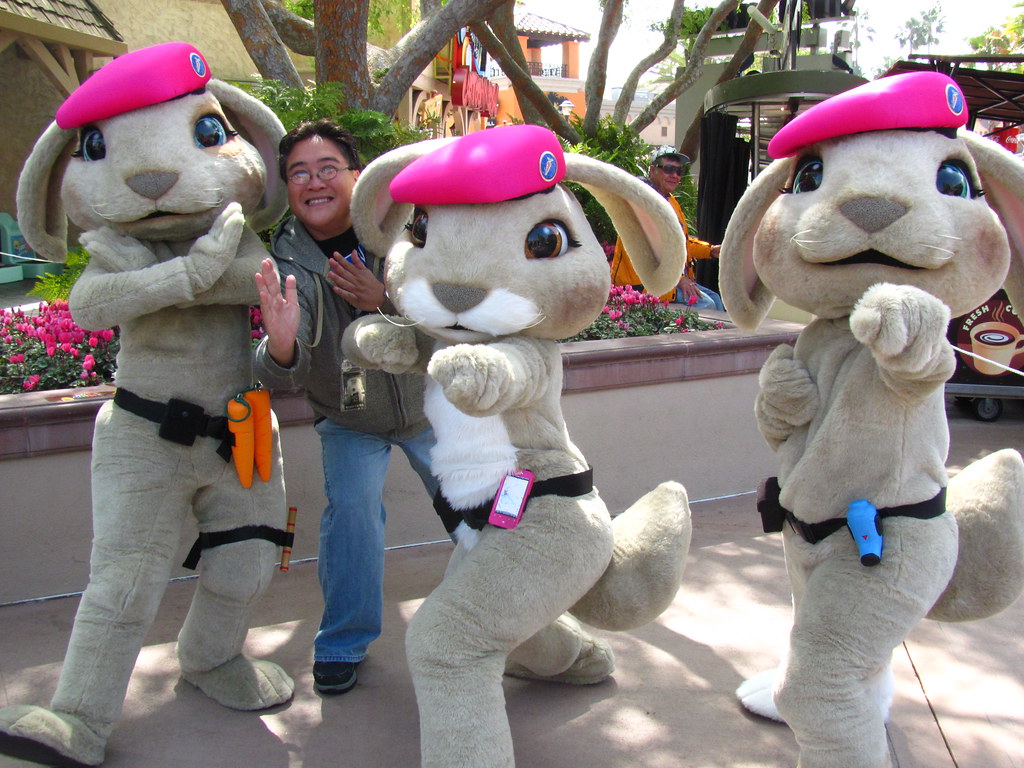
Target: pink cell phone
(510, 501)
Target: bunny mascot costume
(488, 270)
(168, 168)
(872, 218)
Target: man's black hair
(326, 129)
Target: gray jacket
(394, 403)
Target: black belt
(180, 421)
(219, 538)
(564, 485)
(774, 515)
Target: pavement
(16, 294)
(670, 704)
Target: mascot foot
(756, 696)
(244, 684)
(594, 664)
(63, 733)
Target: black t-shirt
(344, 243)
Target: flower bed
(45, 349)
(630, 313)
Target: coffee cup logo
(997, 342)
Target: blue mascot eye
(92, 145)
(808, 175)
(952, 180)
(210, 132)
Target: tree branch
(597, 72)
(691, 73)
(261, 41)
(691, 141)
(667, 46)
(524, 86)
(296, 32)
(416, 50)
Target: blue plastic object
(866, 528)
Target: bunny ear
(41, 216)
(646, 223)
(1002, 175)
(259, 126)
(377, 218)
(746, 298)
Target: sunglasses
(672, 170)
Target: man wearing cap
(361, 414)
(664, 175)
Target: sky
(964, 18)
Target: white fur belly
(472, 453)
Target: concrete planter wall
(643, 410)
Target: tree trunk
(597, 72)
(262, 41)
(341, 48)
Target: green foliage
(686, 195)
(303, 8)
(56, 287)
(630, 313)
(377, 133)
(618, 145)
(294, 105)
(922, 30)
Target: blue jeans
(708, 299)
(351, 560)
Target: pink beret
(488, 166)
(914, 100)
(135, 80)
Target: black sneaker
(334, 677)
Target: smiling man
(328, 281)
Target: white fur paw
(61, 732)
(474, 377)
(899, 319)
(756, 696)
(883, 690)
(244, 684)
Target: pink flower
(691, 300)
(88, 362)
(30, 383)
(93, 340)
(18, 358)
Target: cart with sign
(990, 358)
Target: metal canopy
(769, 100)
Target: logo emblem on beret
(954, 99)
(548, 165)
(198, 65)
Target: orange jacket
(622, 268)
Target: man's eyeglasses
(672, 170)
(302, 178)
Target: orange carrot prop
(286, 550)
(263, 429)
(241, 426)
